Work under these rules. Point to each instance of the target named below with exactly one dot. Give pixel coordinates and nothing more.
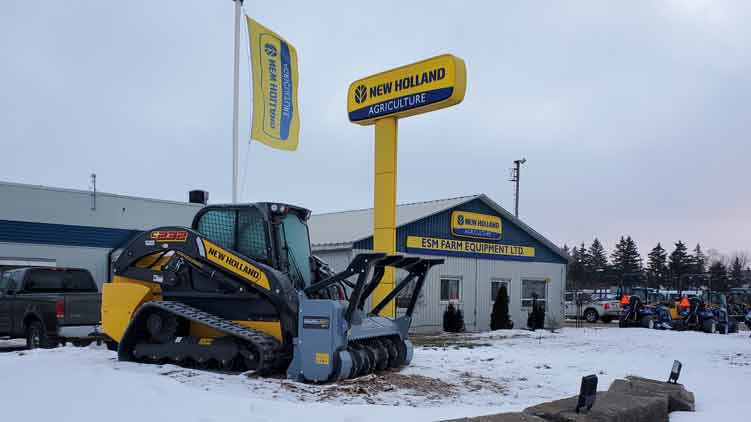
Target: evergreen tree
(718, 276)
(699, 260)
(736, 273)
(626, 259)
(618, 256)
(577, 267)
(499, 318)
(657, 266)
(679, 265)
(597, 263)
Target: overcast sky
(634, 116)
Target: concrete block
(678, 398)
(608, 407)
(501, 417)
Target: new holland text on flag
(276, 120)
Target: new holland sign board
(416, 88)
(471, 224)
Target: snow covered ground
(450, 377)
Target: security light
(587, 393)
(675, 372)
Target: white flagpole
(236, 102)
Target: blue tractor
(635, 314)
(696, 317)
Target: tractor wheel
(648, 322)
(607, 319)
(591, 315)
(36, 337)
(709, 326)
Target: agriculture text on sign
(408, 90)
(419, 244)
(471, 224)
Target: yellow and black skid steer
(240, 290)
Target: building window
(403, 298)
(530, 288)
(495, 286)
(450, 289)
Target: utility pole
(515, 172)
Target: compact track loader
(240, 291)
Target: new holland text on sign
(472, 224)
(419, 244)
(408, 90)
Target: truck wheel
(648, 322)
(36, 337)
(607, 319)
(591, 315)
(709, 326)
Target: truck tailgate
(82, 309)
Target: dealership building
(483, 245)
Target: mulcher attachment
(338, 339)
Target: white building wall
(92, 259)
(41, 204)
(475, 275)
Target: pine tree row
(590, 267)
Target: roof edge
(86, 192)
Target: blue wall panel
(63, 234)
(439, 226)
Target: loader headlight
(274, 208)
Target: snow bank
(472, 375)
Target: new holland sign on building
(474, 225)
(408, 90)
(471, 224)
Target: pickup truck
(592, 310)
(49, 306)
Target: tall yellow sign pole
(382, 99)
(384, 215)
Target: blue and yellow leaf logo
(270, 49)
(361, 93)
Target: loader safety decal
(235, 264)
(322, 358)
(418, 244)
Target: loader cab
(275, 234)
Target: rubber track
(264, 344)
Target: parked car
(606, 310)
(49, 306)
